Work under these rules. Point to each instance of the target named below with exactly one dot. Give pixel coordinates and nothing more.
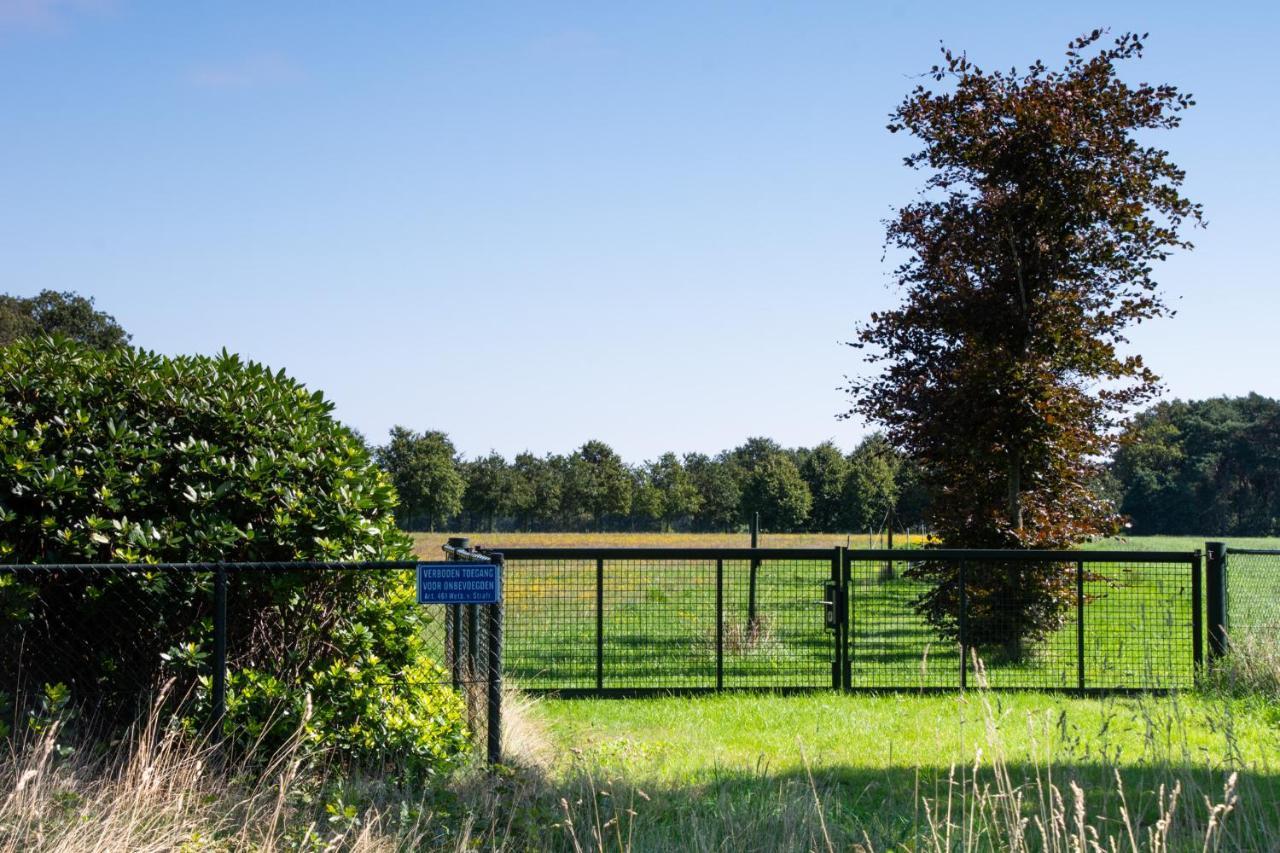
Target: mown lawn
(873, 757)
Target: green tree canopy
(648, 505)
(778, 493)
(752, 453)
(487, 495)
(1205, 466)
(719, 494)
(53, 313)
(680, 497)
(871, 488)
(537, 484)
(424, 468)
(825, 470)
(597, 484)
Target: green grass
(1253, 601)
(659, 626)
(1179, 543)
(872, 757)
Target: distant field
(428, 544)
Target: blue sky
(530, 224)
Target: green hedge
(129, 456)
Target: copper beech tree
(1027, 256)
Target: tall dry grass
(1251, 667)
(160, 790)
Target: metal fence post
(1197, 618)
(1080, 626)
(471, 663)
(964, 632)
(1216, 598)
(494, 630)
(751, 581)
(719, 624)
(453, 620)
(600, 624)
(848, 613)
(837, 609)
(219, 650)
(887, 574)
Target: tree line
(1207, 467)
(791, 489)
(1202, 466)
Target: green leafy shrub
(132, 457)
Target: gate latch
(830, 616)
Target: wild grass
(982, 771)
(1251, 669)
(1018, 773)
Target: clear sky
(530, 224)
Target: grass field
(868, 764)
(658, 620)
(428, 544)
(826, 771)
(739, 772)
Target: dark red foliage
(1029, 254)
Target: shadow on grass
(838, 807)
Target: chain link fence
(1253, 592)
(102, 645)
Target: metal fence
(619, 621)
(1251, 591)
(111, 641)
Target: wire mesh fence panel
(335, 630)
(891, 644)
(1253, 593)
(464, 636)
(782, 641)
(614, 619)
(1024, 621)
(1022, 616)
(550, 637)
(1138, 625)
(659, 623)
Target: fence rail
(621, 621)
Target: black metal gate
(1132, 620)
(625, 621)
(617, 621)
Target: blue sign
(459, 583)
